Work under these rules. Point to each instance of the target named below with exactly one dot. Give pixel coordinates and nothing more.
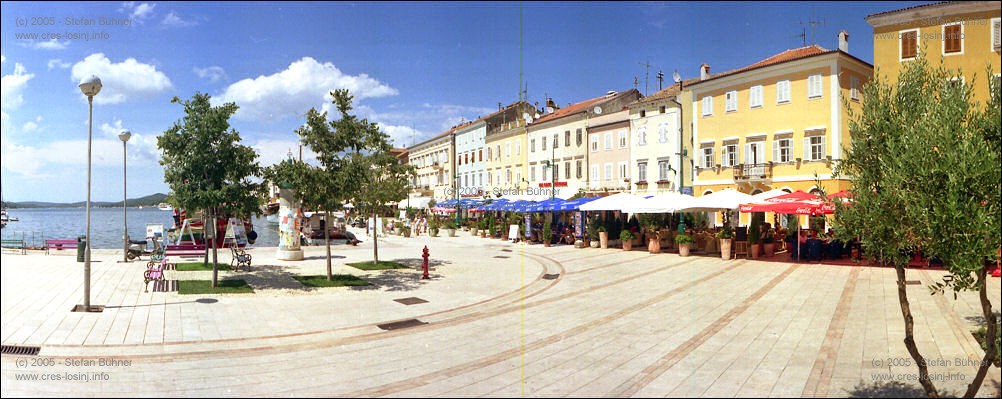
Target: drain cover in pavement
(913, 282)
(505, 250)
(550, 276)
(502, 257)
(397, 325)
(411, 300)
(20, 350)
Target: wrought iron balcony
(753, 172)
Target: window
(643, 113)
(608, 141)
(544, 143)
(662, 109)
(642, 135)
(567, 138)
(854, 88)
(814, 148)
(996, 36)
(567, 170)
(622, 139)
(953, 39)
(579, 137)
(578, 168)
(707, 105)
(518, 148)
(909, 44)
(532, 145)
(507, 175)
(781, 150)
(783, 91)
(730, 155)
(556, 141)
(488, 152)
(608, 171)
(489, 179)
(663, 169)
(532, 173)
(507, 149)
(594, 143)
(481, 154)
(480, 176)
(753, 153)
(518, 177)
(755, 96)
(594, 173)
(497, 151)
(814, 86)
(663, 132)
(731, 101)
(707, 157)
(641, 171)
(623, 173)
(466, 180)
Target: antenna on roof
(661, 79)
(814, 23)
(647, 68)
(802, 35)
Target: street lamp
(89, 87)
(125, 135)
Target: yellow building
(506, 149)
(776, 123)
(956, 35)
(433, 166)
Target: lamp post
(89, 87)
(125, 135)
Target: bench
(59, 245)
(240, 258)
(154, 269)
(183, 250)
(17, 245)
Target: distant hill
(149, 200)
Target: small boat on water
(163, 206)
(4, 217)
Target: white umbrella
(662, 203)
(724, 199)
(613, 202)
(761, 197)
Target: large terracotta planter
(769, 248)
(483, 233)
(725, 248)
(653, 245)
(755, 250)
(451, 232)
(683, 249)
(433, 232)
(407, 233)
(603, 239)
(546, 243)
(628, 245)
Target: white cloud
(175, 21)
(138, 12)
(51, 45)
(304, 84)
(271, 152)
(13, 85)
(213, 73)
(112, 130)
(122, 81)
(58, 63)
(401, 136)
(32, 126)
(3, 58)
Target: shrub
(625, 235)
(683, 239)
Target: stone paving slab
(613, 323)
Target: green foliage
(449, 224)
(381, 265)
(626, 235)
(594, 226)
(683, 239)
(547, 230)
(755, 228)
(726, 232)
(633, 224)
(337, 280)
(650, 221)
(195, 287)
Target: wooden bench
(185, 250)
(17, 245)
(154, 269)
(59, 245)
(240, 258)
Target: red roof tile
(786, 56)
(667, 92)
(583, 106)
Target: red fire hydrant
(424, 264)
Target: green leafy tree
(207, 168)
(924, 164)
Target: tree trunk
(375, 240)
(215, 264)
(930, 389)
(327, 240)
(991, 330)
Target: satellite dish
(527, 117)
(598, 110)
(549, 110)
(536, 116)
(676, 77)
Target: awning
(415, 202)
(614, 202)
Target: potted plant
(755, 234)
(406, 231)
(726, 235)
(547, 232)
(603, 237)
(627, 237)
(684, 242)
(433, 226)
(450, 227)
(399, 227)
(768, 243)
(650, 224)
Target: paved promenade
(499, 319)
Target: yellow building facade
(956, 35)
(777, 123)
(506, 149)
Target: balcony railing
(751, 172)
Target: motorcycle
(140, 248)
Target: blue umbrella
(546, 205)
(573, 205)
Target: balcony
(753, 172)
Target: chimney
(551, 104)
(704, 72)
(843, 41)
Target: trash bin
(81, 247)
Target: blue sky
(415, 68)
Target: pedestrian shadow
(891, 389)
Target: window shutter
(807, 148)
(748, 154)
(996, 34)
(775, 151)
(824, 148)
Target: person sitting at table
(568, 236)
